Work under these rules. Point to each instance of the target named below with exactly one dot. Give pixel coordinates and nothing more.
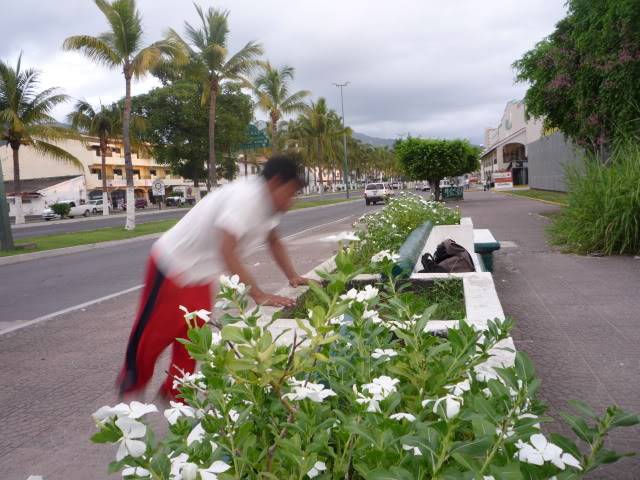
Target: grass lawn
(556, 197)
(63, 240)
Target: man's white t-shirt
(189, 253)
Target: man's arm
(280, 255)
(235, 265)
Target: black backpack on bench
(449, 257)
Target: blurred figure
(185, 262)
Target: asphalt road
(40, 287)
(42, 228)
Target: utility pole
(344, 136)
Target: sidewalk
(55, 374)
(577, 317)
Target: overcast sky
(425, 67)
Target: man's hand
(267, 300)
(298, 280)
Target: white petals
(403, 416)
(541, 450)
(202, 314)
(178, 410)
(452, 405)
(196, 435)
(415, 450)
(381, 387)
(341, 237)
(133, 410)
(362, 296)
(129, 445)
(233, 283)
(384, 255)
(317, 468)
(137, 471)
(386, 352)
(459, 388)
(315, 392)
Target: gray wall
(547, 158)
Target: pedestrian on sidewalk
(185, 262)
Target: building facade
(88, 184)
(506, 146)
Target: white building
(506, 145)
(45, 180)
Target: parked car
(174, 201)
(377, 192)
(97, 206)
(75, 210)
(140, 203)
(396, 186)
(426, 187)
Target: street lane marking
(80, 306)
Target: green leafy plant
(61, 209)
(603, 205)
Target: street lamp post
(344, 136)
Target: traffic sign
(256, 138)
(157, 187)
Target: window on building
(136, 172)
(115, 150)
(153, 171)
(495, 160)
(98, 172)
(117, 171)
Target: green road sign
(256, 139)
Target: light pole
(344, 136)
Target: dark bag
(449, 257)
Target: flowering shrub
(386, 229)
(359, 390)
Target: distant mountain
(378, 142)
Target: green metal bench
(484, 244)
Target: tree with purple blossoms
(584, 76)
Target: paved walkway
(577, 317)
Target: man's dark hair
(286, 167)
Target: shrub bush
(603, 206)
(61, 209)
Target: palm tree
(271, 87)
(210, 63)
(106, 124)
(25, 120)
(121, 47)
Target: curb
(549, 202)
(25, 257)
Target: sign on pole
(502, 180)
(157, 187)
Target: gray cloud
(431, 68)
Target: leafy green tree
(435, 159)
(271, 87)
(584, 76)
(211, 64)
(104, 123)
(25, 120)
(177, 127)
(121, 47)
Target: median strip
(109, 234)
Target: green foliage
(435, 159)
(584, 75)
(61, 209)
(603, 205)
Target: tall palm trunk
(18, 186)
(6, 237)
(274, 133)
(211, 161)
(319, 147)
(103, 172)
(128, 165)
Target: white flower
(541, 450)
(350, 295)
(530, 415)
(129, 445)
(485, 373)
(133, 410)
(459, 388)
(403, 416)
(317, 469)
(191, 380)
(178, 410)
(372, 315)
(196, 435)
(415, 450)
(341, 320)
(373, 406)
(367, 294)
(384, 255)
(451, 402)
(233, 415)
(386, 352)
(202, 314)
(183, 470)
(233, 283)
(223, 304)
(137, 471)
(381, 387)
(315, 392)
